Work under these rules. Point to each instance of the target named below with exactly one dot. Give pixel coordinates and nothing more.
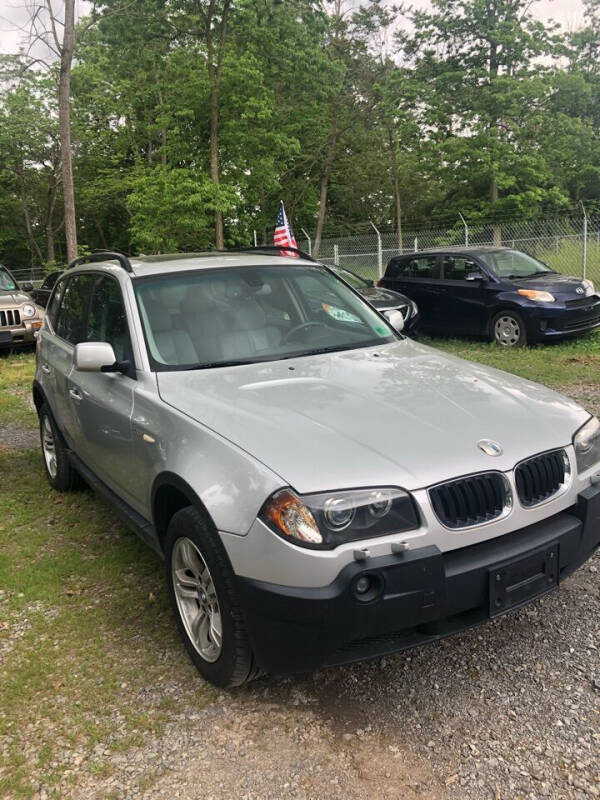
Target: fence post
(255, 240)
(336, 254)
(464, 222)
(585, 230)
(379, 252)
(308, 239)
(416, 243)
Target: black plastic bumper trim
(424, 594)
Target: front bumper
(423, 595)
(564, 319)
(20, 335)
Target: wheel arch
(39, 398)
(170, 493)
(500, 309)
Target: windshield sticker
(339, 313)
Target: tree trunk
(48, 228)
(397, 198)
(496, 229)
(325, 186)
(64, 117)
(215, 72)
(214, 161)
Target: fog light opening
(367, 587)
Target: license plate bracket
(514, 583)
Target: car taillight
(379, 282)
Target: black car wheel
(60, 472)
(202, 588)
(508, 329)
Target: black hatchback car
(496, 292)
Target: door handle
(46, 369)
(75, 395)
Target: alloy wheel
(197, 599)
(49, 447)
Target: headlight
(29, 311)
(326, 520)
(589, 287)
(587, 445)
(539, 297)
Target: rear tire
(508, 329)
(61, 475)
(202, 589)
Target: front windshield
(7, 283)
(512, 263)
(240, 315)
(353, 280)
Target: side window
(421, 267)
(108, 320)
(456, 268)
(55, 300)
(70, 322)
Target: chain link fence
(569, 244)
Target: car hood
(13, 299)
(402, 415)
(383, 298)
(567, 285)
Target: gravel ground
(506, 711)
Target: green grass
(88, 646)
(16, 375)
(557, 365)
(89, 651)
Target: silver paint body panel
(401, 414)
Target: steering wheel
(300, 327)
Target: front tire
(508, 329)
(202, 589)
(60, 473)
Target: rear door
(463, 303)
(67, 314)
(419, 277)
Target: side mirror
(395, 319)
(370, 282)
(27, 286)
(476, 276)
(94, 357)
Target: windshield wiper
(233, 363)
(531, 274)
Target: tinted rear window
(415, 267)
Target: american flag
(284, 235)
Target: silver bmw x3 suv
(321, 488)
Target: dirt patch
(18, 437)
(248, 749)
(586, 394)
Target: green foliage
(170, 207)
(471, 106)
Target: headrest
(248, 315)
(198, 299)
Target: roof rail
(103, 255)
(269, 248)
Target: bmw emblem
(580, 290)
(489, 447)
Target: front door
(104, 400)
(462, 302)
